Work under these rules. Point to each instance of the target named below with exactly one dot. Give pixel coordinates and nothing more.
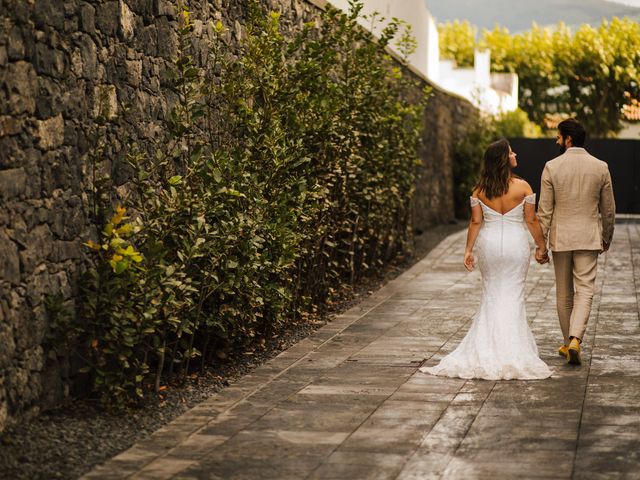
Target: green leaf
(120, 266)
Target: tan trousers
(575, 284)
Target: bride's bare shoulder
(522, 186)
(519, 181)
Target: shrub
(468, 153)
(285, 176)
(515, 124)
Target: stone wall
(446, 118)
(57, 60)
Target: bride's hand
(469, 261)
(542, 255)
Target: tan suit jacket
(576, 208)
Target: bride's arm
(533, 224)
(474, 227)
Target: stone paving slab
(349, 403)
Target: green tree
(457, 42)
(601, 68)
(531, 55)
(500, 42)
(591, 73)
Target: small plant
(114, 248)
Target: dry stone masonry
(58, 59)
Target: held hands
(542, 255)
(605, 247)
(469, 261)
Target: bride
(499, 344)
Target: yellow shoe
(562, 351)
(573, 351)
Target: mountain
(517, 15)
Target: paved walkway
(348, 402)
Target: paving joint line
(633, 266)
(495, 382)
(388, 396)
(593, 347)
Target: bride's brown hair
(496, 170)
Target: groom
(577, 215)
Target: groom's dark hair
(572, 128)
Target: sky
(633, 3)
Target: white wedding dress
(499, 344)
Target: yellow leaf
(119, 215)
(116, 242)
(124, 229)
(92, 245)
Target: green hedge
(285, 177)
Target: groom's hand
(541, 257)
(605, 247)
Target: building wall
(415, 14)
(56, 62)
(630, 130)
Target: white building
(491, 92)
(425, 59)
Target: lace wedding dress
(499, 344)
